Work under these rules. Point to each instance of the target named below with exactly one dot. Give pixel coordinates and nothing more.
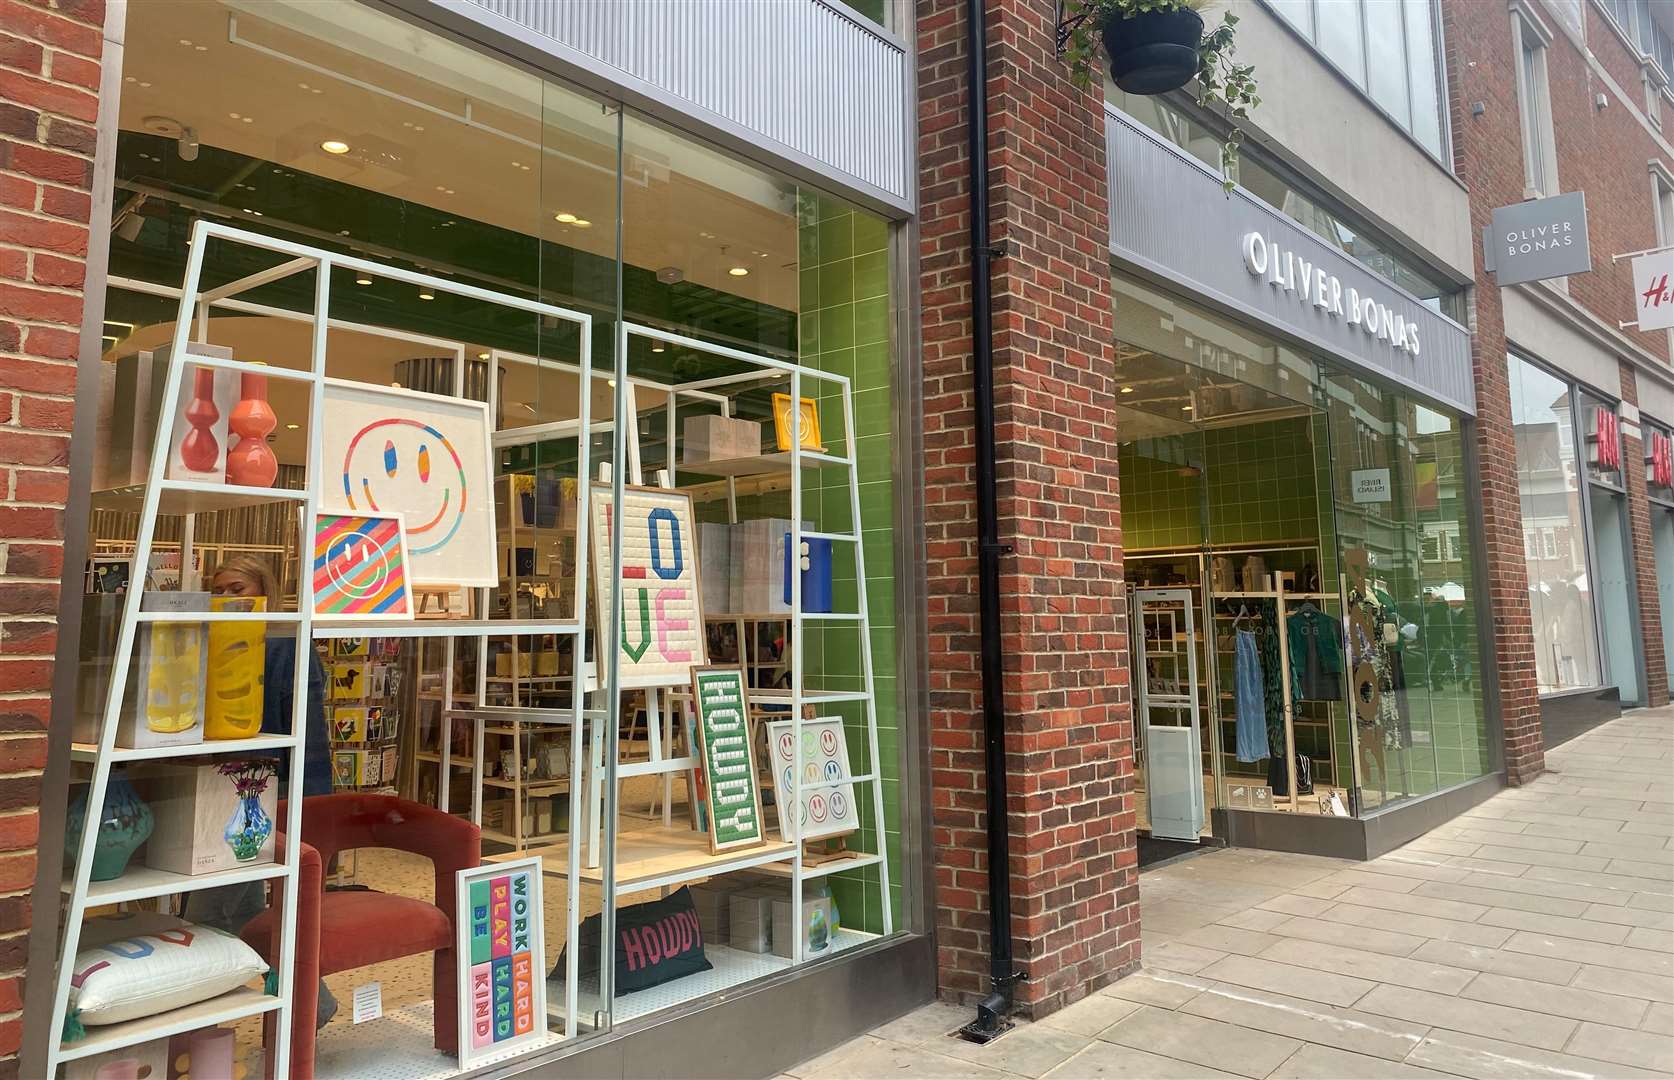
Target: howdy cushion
(141, 963)
(656, 942)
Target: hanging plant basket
(1155, 46)
(1153, 52)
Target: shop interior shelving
(161, 496)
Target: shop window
(1534, 105)
(1561, 595)
(593, 297)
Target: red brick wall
(1488, 155)
(49, 80)
(1644, 554)
(1069, 738)
(1603, 152)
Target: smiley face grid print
(360, 567)
(422, 456)
(662, 626)
(828, 806)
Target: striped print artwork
(360, 567)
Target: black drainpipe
(993, 1013)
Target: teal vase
(123, 827)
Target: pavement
(1531, 937)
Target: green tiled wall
(844, 328)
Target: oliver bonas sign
(1542, 238)
(1290, 272)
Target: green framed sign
(730, 794)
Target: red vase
(251, 461)
(199, 451)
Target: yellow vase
(237, 664)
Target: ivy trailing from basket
(1224, 86)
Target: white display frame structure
(189, 497)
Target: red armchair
(351, 929)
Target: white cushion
(141, 963)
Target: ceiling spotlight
(1185, 408)
(335, 146)
(656, 346)
(292, 427)
(1127, 389)
(739, 271)
(583, 223)
(362, 279)
(482, 356)
(426, 294)
(565, 218)
(188, 144)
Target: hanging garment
(1316, 655)
(1251, 699)
(1272, 681)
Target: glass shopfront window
(1285, 497)
(553, 352)
(1549, 471)
(1659, 486)
(1618, 608)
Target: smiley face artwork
(423, 456)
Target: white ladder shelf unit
(166, 496)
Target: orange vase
(198, 450)
(251, 460)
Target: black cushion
(656, 942)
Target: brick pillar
(1644, 552)
(1069, 737)
(49, 80)
(1488, 154)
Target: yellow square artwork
(810, 423)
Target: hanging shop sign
(1369, 485)
(1653, 292)
(1309, 282)
(1539, 239)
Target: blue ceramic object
(249, 828)
(123, 827)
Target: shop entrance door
(1168, 707)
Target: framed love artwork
(359, 569)
(424, 456)
(662, 610)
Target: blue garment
(278, 696)
(1250, 700)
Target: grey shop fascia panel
(805, 86)
(1170, 217)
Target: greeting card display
(425, 457)
(501, 946)
(359, 570)
(827, 805)
(662, 617)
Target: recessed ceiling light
(482, 356)
(565, 218)
(426, 294)
(739, 271)
(145, 84)
(583, 223)
(249, 119)
(362, 279)
(335, 146)
(302, 86)
(185, 41)
(200, 48)
(1127, 389)
(292, 427)
(1185, 408)
(233, 115)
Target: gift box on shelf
(750, 918)
(718, 438)
(715, 567)
(211, 817)
(147, 1059)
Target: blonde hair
(257, 569)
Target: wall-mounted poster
(828, 806)
(360, 568)
(662, 617)
(424, 456)
(501, 946)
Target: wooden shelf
(818, 870)
(458, 761)
(530, 787)
(235, 1005)
(651, 858)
